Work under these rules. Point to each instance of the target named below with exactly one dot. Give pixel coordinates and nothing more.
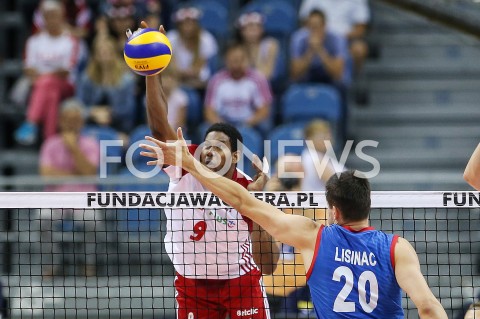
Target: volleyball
(147, 52)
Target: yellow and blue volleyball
(147, 52)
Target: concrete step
(454, 144)
(401, 37)
(418, 179)
(418, 68)
(396, 98)
(415, 114)
(455, 84)
(470, 131)
(436, 52)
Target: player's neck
(359, 225)
(230, 172)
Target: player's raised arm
(472, 171)
(411, 280)
(157, 106)
(297, 231)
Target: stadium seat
(304, 102)
(280, 16)
(194, 107)
(141, 220)
(253, 143)
(290, 134)
(137, 135)
(280, 72)
(214, 17)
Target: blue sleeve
(337, 46)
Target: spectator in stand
(317, 54)
(262, 51)
(473, 311)
(51, 57)
(238, 94)
(193, 46)
(318, 165)
(107, 88)
(78, 17)
(345, 18)
(68, 154)
(118, 17)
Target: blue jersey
(352, 274)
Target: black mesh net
(113, 263)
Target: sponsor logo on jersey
(247, 312)
(222, 220)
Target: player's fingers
(157, 142)
(128, 33)
(152, 163)
(162, 29)
(257, 163)
(143, 24)
(180, 134)
(149, 154)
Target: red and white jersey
(207, 243)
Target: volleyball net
(102, 255)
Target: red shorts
(241, 298)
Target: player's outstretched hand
(144, 25)
(261, 174)
(175, 153)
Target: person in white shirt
(318, 166)
(347, 18)
(238, 94)
(193, 48)
(50, 60)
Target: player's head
(221, 149)
(348, 197)
(53, 15)
(72, 114)
(236, 60)
(473, 311)
(316, 21)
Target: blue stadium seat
(137, 135)
(280, 72)
(280, 16)
(194, 108)
(291, 133)
(141, 220)
(102, 133)
(214, 17)
(253, 143)
(304, 102)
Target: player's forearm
(433, 310)
(265, 250)
(472, 171)
(157, 110)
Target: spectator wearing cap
(262, 50)
(118, 16)
(193, 48)
(345, 18)
(238, 94)
(78, 17)
(51, 57)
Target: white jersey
(204, 243)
